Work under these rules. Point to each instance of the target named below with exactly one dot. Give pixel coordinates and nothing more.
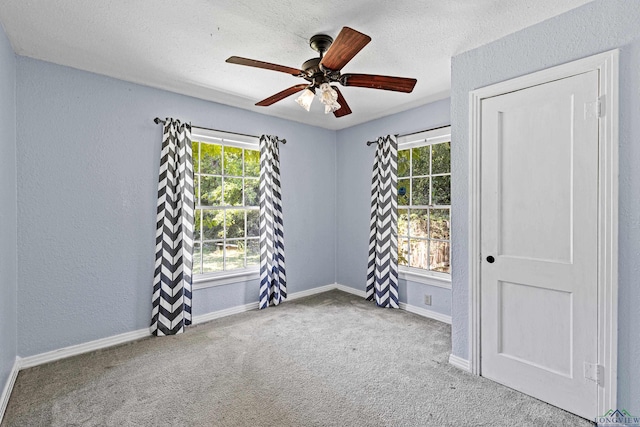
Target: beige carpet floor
(331, 359)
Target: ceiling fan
(321, 72)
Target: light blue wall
(8, 210)
(593, 28)
(88, 157)
(353, 195)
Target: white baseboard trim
(426, 313)
(254, 305)
(310, 292)
(403, 306)
(460, 363)
(350, 290)
(74, 350)
(203, 318)
(8, 388)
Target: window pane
(197, 227)
(210, 191)
(441, 158)
(251, 195)
(420, 191)
(404, 192)
(253, 223)
(233, 191)
(197, 259)
(439, 227)
(234, 255)
(439, 259)
(235, 223)
(419, 253)
(403, 222)
(195, 156)
(441, 190)
(225, 176)
(253, 252)
(211, 161)
(403, 163)
(211, 257)
(251, 163)
(420, 159)
(232, 161)
(419, 222)
(212, 224)
(403, 251)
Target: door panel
(540, 315)
(539, 221)
(545, 162)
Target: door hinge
(600, 106)
(594, 372)
(594, 109)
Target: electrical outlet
(427, 299)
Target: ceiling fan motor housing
(314, 73)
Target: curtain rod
(158, 120)
(409, 134)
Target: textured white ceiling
(181, 46)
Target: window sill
(203, 281)
(441, 281)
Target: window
(424, 203)
(226, 179)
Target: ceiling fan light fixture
(331, 108)
(305, 99)
(329, 97)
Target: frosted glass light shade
(305, 99)
(329, 97)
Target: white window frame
(207, 280)
(419, 275)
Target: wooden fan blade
(348, 43)
(344, 107)
(281, 95)
(266, 65)
(398, 84)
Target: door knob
(490, 259)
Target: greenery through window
(424, 207)
(226, 232)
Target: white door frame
(607, 107)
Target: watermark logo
(617, 418)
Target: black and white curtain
(273, 279)
(174, 236)
(382, 267)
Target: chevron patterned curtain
(273, 279)
(174, 236)
(382, 268)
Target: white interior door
(539, 219)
